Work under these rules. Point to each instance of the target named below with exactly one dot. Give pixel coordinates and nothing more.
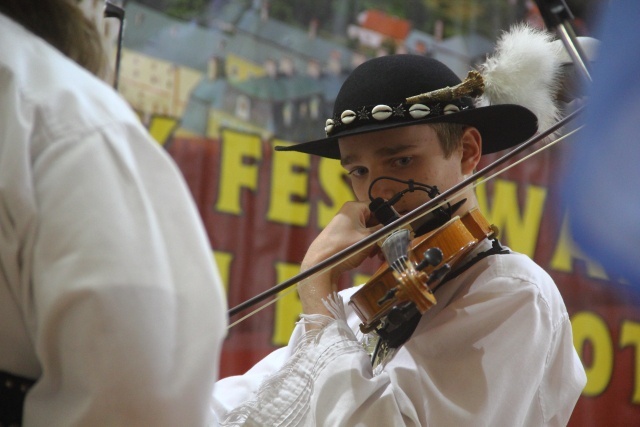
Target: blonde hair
(62, 24)
(450, 136)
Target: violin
(405, 282)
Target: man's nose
(384, 188)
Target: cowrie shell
(347, 117)
(381, 112)
(328, 126)
(418, 111)
(450, 109)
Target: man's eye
(402, 161)
(357, 171)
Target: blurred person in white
(111, 308)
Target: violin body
(389, 289)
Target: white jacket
(108, 291)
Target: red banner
(262, 209)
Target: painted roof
(388, 25)
(155, 34)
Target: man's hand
(346, 228)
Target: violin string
(285, 292)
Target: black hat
(375, 97)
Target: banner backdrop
(220, 97)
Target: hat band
(350, 119)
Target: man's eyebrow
(347, 160)
(381, 152)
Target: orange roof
(386, 24)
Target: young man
(111, 308)
(496, 349)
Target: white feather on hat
(524, 70)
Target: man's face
(409, 152)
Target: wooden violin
(406, 280)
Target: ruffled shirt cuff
(286, 398)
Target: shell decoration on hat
(419, 111)
(416, 106)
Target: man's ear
(471, 143)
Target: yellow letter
(520, 232)
(630, 335)
(240, 155)
(162, 127)
(566, 251)
(289, 201)
(331, 177)
(287, 307)
(589, 328)
(223, 262)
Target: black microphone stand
(113, 11)
(556, 15)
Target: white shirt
(109, 296)
(496, 350)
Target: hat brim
(501, 126)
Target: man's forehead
(351, 153)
